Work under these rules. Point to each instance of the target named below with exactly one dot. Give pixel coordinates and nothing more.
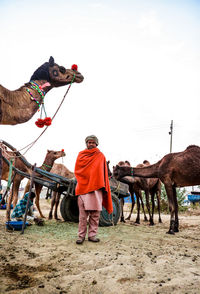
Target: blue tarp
(194, 198)
(128, 199)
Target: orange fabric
(92, 174)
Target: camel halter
(132, 172)
(38, 88)
(46, 165)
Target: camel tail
(150, 171)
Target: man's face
(91, 144)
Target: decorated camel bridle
(41, 122)
(132, 172)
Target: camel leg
(176, 225)
(158, 201)
(153, 204)
(15, 190)
(142, 203)
(9, 201)
(53, 200)
(122, 210)
(138, 196)
(56, 206)
(151, 223)
(27, 187)
(169, 191)
(38, 189)
(132, 206)
(8, 206)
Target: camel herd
(179, 169)
(173, 170)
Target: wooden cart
(69, 208)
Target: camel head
(121, 171)
(53, 155)
(57, 75)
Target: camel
(62, 170)
(128, 181)
(18, 106)
(150, 186)
(178, 169)
(5, 172)
(18, 163)
(47, 166)
(136, 185)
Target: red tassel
(40, 123)
(74, 67)
(47, 121)
(62, 150)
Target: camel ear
(48, 150)
(51, 61)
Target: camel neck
(35, 87)
(38, 88)
(46, 166)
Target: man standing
(92, 189)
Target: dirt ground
(129, 259)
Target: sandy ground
(129, 259)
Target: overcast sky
(141, 64)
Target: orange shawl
(92, 174)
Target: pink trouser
(94, 216)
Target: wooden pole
(29, 193)
(171, 133)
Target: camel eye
(62, 69)
(55, 73)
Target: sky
(141, 66)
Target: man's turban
(93, 138)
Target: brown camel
(5, 171)
(150, 186)
(19, 106)
(129, 182)
(179, 169)
(62, 170)
(47, 165)
(18, 163)
(136, 185)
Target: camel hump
(192, 146)
(140, 165)
(146, 162)
(121, 163)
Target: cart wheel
(107, 219)
(69, 209)
(70, 212)
(63, 210)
